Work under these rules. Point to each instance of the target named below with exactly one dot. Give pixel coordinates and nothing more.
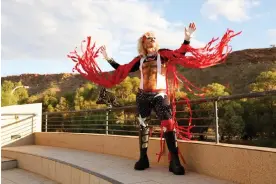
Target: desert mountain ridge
(240, 69)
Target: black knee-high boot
(175, 165)
(143, 161)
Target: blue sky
(37, 35)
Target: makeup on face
(149, 36)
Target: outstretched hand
(103, 52)
(189, 32)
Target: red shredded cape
(199, 58)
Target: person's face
(149, 40)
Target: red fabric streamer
(87, 66)
(199, 58)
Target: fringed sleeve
(202, 57)
(87, 66)
(199, 58)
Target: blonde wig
(140, 46)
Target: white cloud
(272, 36)
(272, 32)
(50, 29)
(233, 10)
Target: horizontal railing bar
(50, 116)
(17, 133)
(91, 125)
(90, 115)
(62, 128)
(68, 121)
(20, 114)
(136, 131)
(85, 119)
(16, 129)
(80, 120)
(4, 126)
(196, 110)
(27, 128)
(19, 126)
(197, 126)
(91, 110)
(201, 118)
(72, 118)
(9, 118)
(49, 125)
(208, 134)
(115, 130)
(125, 120)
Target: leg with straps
(163, 110)
(144, 109)
(143, 161)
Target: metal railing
(16, 126)
(122, 120)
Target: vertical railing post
(46, 122)
(32, 123)
(216, 120)
(106, 122)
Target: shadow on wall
(20, 141)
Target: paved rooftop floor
(118, 168)
(19, 176)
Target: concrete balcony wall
(241, 164)
(19, 122)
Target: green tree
(63, 105)
(69, 96)
(126, 90)
(264, 82)
(49, 100)
(10, 97)
(212, 90)
(33, 99)
(205, 111)
(231, 123)
(260, 113)
(215, 89)
(85, 97)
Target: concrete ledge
(7, 163)
(21, 176)
(235, 163)
(55, 169)
(74, 166)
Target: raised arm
(167, 54)
(188, 34)
(116, 65)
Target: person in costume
(152, 95)
(157, 69)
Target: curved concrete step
(112, 169)
(13, 176)
(8, 163)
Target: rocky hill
(241, 68)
